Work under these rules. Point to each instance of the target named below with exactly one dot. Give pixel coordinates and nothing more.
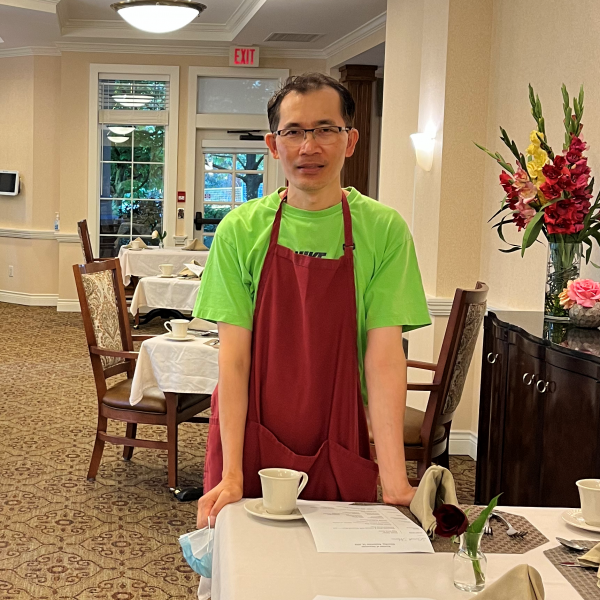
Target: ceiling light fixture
(121, 130)
(117, 139)
(132, 100)
(158, 16)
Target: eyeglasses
(322, 135)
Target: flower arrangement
(161, 236)
(581, 298)
(549, 193)
(452, 522)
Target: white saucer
(573, 517)
(255, 507)
(187, 338)
(135, 249)
(168, 276)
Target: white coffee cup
(166, 270)
(589, 494)
(136, 244)
(177, 327)
(281, 488)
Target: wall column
(358, 79)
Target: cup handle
(303, 482)
(168, 326)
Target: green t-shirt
(388, 283)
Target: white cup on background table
(178, 328)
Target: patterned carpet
(62, 537)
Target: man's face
(311, 166)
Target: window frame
(141, 72)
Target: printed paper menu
(377, 529)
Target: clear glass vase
(161, 244)
(564, 263)
(470, 564)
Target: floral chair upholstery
(100, 294)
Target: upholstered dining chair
(426, 433)
(110, 344)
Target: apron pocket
(356, 476)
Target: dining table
(184, 367)
(258, 559)
(165, 292)
(144, 262)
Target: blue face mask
(197, 549)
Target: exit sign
(243, 56)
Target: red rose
(450, 520)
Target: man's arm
(385, 371)
(234, 372)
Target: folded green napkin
(521, 583)
(436, 488)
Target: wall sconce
(424, 144)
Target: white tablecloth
(163, 292)
(144, 263)
(267, 560)
(182, 367)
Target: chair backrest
(464, 323)
(86, 242)
(104, 312)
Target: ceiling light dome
(158, 16)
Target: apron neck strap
(348, 243)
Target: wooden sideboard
(539, 412)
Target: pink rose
(584, 292)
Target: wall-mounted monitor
(9, 183)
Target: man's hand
(229, 490)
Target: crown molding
(47, 6)
(30, 51)
(241, 16)
(143, 49)
(370, 27)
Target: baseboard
(463, 443)
(67, 306)
(28, 299)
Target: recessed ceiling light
(121, 130)
(158, 16)
(117, 139)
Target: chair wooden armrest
(417, 364)
(141, 338)
(424, 387)
(115, 353)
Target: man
(312, 287)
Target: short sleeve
(395, 294)
(224, 293)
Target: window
(133, 124)
(234, 95)
(230, 179)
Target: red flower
(560, 161)
(566, 216)
(551, 172)
(450, 520)
(577, 145)
(550, 190)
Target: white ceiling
(77, 24)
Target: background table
(180, 367)
(256, 559)
(165, 292)
(144, 263)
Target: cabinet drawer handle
(492, 358)
(544, 386)
(531, 378)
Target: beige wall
(44, 108)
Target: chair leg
(98, 449)
(172, 401)
(443, 460)
(131, 432)
(422, 466)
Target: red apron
(305, 408)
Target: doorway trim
(216, 121)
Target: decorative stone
(585, 317)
